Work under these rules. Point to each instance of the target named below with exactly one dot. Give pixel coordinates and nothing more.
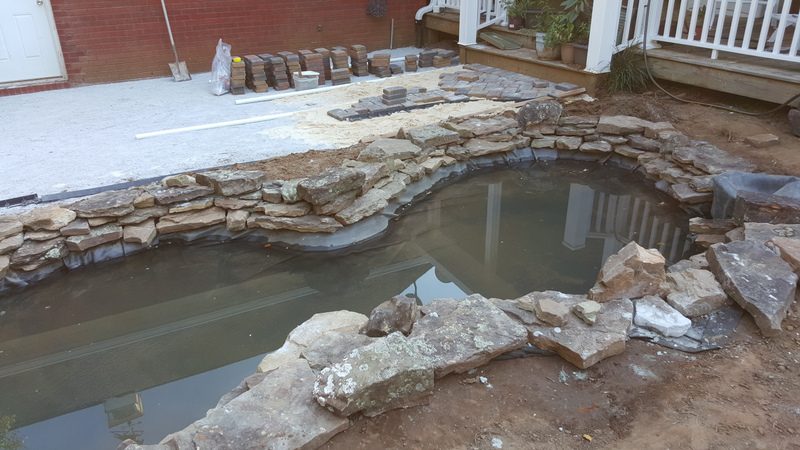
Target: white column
(579, 216)
(654, 23)
(468, 22)
(603, 36)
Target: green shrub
(628, 73)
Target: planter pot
(516, 23)
(546, 53)
(567, 54)
(580, 52)
(533, 19)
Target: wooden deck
(769, 80)
(439, 26)
(763, 79)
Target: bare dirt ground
(745, 396)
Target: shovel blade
(179, 71)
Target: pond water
(142, 347)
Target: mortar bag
(377, 8)
(221, 69)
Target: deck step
(771, 81)
(499, 41)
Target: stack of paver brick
(396, 69)
(326, 61)
(359, 60)
(411, 63)
(238, 76)
(312, 61)
(395, 95)
(256, 76)
(292, 62)
(426, 58)
(379, 65)
(443, 58)
(339, 58)
(396, 99)
(277, 74)
(340, 76)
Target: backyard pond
(141, 347)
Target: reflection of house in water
(180, 312)
(617, 220)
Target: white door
(28, 42)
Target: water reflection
(142, 347)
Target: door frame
(51, 21)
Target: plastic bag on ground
(221, 69)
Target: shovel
(179, 70)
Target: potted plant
(580, 46)
(516, 10)
(578, 12)
(559, 31)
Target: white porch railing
(484, 13)
(761, 28)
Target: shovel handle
(169, 31)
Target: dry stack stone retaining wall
(351, 203)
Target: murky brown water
(144, 346)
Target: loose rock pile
(230, 204)
(341, 364)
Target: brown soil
(725, 129)
(744, 396)
(298, 165)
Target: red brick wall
(112, 40)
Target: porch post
(654, 23)
(468, 22)
(603, 36)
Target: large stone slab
(9, 226)
(480, 147)
(788, 249)
(694, 292)
(621, 125)
(459, 335)
(166, 196)
(396, 314)
(655, 314)
(765, 232)
(11, 243)
(39, 252)
(97, 236)
(761, 207)
(332, 347)
(368, 204)
(298, 209)
(482, 126)
(632, 272)
(382, 150)
(539, 113)
(311, 331)
(277, 413)
(325, 187)
(755, 278)
(191, 220)
(710, 158)
(142, 214)
(5, 263)
(431, 136)
(106, 204)
(142, 233)
(48, 218)
(232, 182)
(305, 224)
(579, 343)
(387, 374)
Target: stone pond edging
(350, 204)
